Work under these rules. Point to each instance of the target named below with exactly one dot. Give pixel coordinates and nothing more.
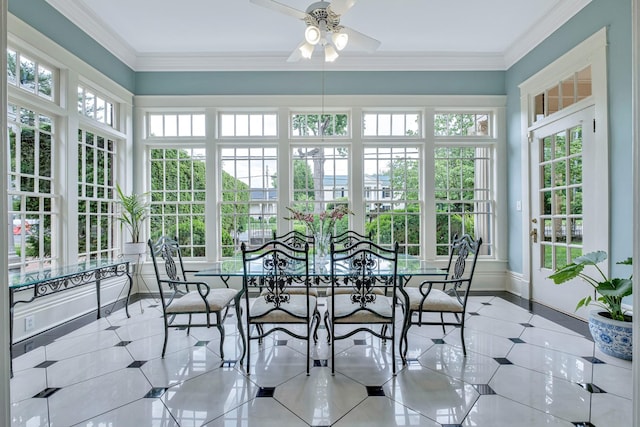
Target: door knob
(534, 233)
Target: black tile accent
(112, 328)
(486, 303)
(591, 388)
(123, 343)
(322, 327)
(282, 342)
(201, 343)
(45, 364)
(266, 392)
(451, 425)
(593, 360)
(438, 341)
(155, 392)
(375, 390)
(180, 328)
(359, 342)
(502, 360)
(153, 306)
(46, 392)
(230, 315)
(527, 325)
(516, 340)
(321, 304)
(473, 313)
(484, 389)
(583, 424)
(320, 363)
(137, 363)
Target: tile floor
(521, 370)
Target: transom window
(95, 106)
(176, 125)
(392, 124)
(30, 75)
(462, 124)
(574, 88)
(248, 124)
(319, 125)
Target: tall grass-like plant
(610, 291)
(134, 210)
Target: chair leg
(189, 326)
(327, 328)
(464, 347)
(220, 326)
(404, 343)
(308, 344)
(393, 349)
(316, 317)
(444, 331)
(166, 336)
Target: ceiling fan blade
(280, 7)
(341, 6)
(296, 55)
(361, 41)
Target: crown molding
(542, 29)
(91, 24)
(96, 28)
(409, 61)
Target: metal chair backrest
(461, 248)
(295, 239)
(349, 238)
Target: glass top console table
(26, 287)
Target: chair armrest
(202, 287)
(429, 284)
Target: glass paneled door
(564, 205)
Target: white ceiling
(238, 35)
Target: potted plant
(134, 209)
(610, 325)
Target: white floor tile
(30, 413)
(268, 411)
(383, 412)
(180, 366)
(499, 411)
(567, 366)
(141, 413)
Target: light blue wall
(616, 16)
(41, 16)
(310, 82)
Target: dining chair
(442, 296)
(356, 268)
(280, 274)
(188, 297)
(349, 237)
(294, 239)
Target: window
(95, 106)
(176, 125)
(319, 125)
(574, 88)
(96, 205)
(178, 193)
(249, 196)
(392, 175)
(248, 124)
(392, 124)
(464, 189)
(320, 181)
(30, 75)
(31, 189)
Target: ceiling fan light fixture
(306, 50)
(330, 53)
(312, 34)
(340, 40)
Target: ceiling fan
(323, 29)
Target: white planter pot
(613, 337)
(137, 248)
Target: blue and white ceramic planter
(612, 337)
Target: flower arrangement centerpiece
(320, 225)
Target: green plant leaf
(592, 258)
(568, 272)
(616, 288)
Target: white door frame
(591, 52)
(635, 112)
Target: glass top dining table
(408, 266)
